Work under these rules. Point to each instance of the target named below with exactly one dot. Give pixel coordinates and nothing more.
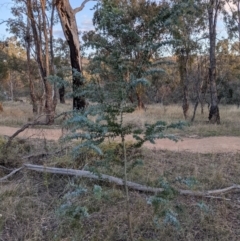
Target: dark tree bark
(69, 25)
(62, 94)
(213, 9)
(183, 59)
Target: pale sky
(84, 18)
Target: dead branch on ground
(120, 182)
(10, 174)
(23, 128)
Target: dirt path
(220, 144)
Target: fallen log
(23, 128)
(87, 174)
(120, 182)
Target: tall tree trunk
(49, 107)
(43, 58)
(31, 85)
(52, 67)
(70, 29)
(183, 59)
(213, 8)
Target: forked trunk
(43, 58)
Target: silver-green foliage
(116, 72)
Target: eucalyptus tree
(232, 19)
(186, 26)
(21, 29)
(70, 29)
(33, 23)
(127, 37)
(213, 9)
(12, 59)
(135, 32)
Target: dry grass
(31, 202)
(17, 114)
(230, 116)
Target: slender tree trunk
(199, 87)
(11, 86)
(52, 68)
(62, 95)
(31, 85)
(213, 8)
(49, 107)
(183, 59)
(140, 103)
(70, 29)
(195, 109)
(39, 24)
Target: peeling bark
(69, 25)
(213, 9)
(43, 58)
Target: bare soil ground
(219, 144)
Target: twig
(222, 198)
(10, 174)
(210, 192)
(78, 9)
(5, 168)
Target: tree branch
(79, 9)
(120, 182)
(10, 174)
(3, 21)
(24, 127)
